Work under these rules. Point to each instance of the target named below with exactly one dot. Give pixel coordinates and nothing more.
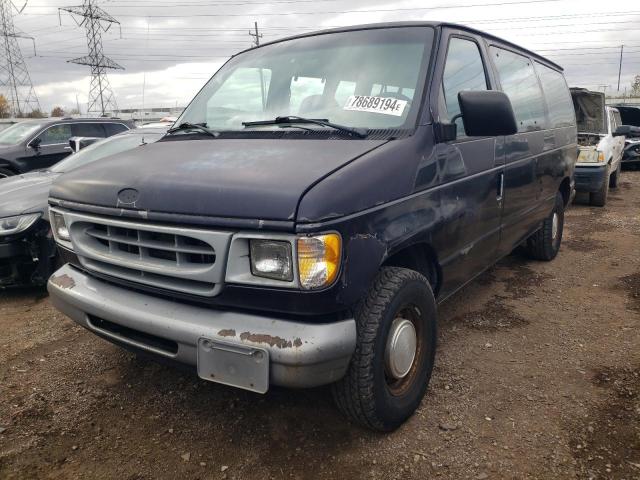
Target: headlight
(590, 156)
(59, 227)
(271, 259)
(318, 260)
(17, 224)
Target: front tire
(545, 243)
(599, 198)
(615, 177)
(391, 366)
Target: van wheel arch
(420, 257)
(565, 190)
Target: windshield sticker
(384, 105)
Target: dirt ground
(537, 376)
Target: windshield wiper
(359, 132)
(193, 126)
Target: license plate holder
(240, 366)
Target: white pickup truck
(601, 144)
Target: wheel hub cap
(554, 226)
(401, 348)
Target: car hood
(232, 178)
(26, 193)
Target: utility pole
(15, 81)
(95, 20)
(257, 36)
(620, 67)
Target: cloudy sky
(173, 46)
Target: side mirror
(35, 143)
(487, 113)
(623, 131)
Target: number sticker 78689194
(384, 105)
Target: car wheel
(545, 243)
(5, 172)
(392, 363)
(599, 198)
(615, 177)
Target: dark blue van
(315, 202)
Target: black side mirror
(35, 143)
(487, 113)
(623, 131)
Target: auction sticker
(384, 105)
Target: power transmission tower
(15, 81)
(96, 20)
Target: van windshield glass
(15, 134)
(367, 78)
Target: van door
(470, 170)
(522, 188)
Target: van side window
(617, 118)
(557, 96)
(520, 83)
(463, 70)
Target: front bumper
(300, 354)
(590, 179)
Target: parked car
(630, 115)
(27, 249)
(39, 144)
(312, 205)
(601, 140)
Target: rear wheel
(545, 243)
(391, 366)
(599, 198)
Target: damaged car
(601, 144)
(314, 203)
(27, 249)
(631, 116)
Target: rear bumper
(300, 354)
(590, 179)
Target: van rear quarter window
(520, 83)
(557, 96)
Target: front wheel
(395, 351)
(599, 198)
(614, 179)
(545, 243)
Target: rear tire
(599, 198)
(545, 243)
(615, 177)
(386, 380)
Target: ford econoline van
(315, 202)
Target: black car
(631, 116)
(39, 144)
(27, 249)
(315, 201)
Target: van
(315, 202)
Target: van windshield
(367, 78)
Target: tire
(615, 177)
(369, 394)
(5, 172)
(599, 198)
(545, 243)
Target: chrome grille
(180, 259)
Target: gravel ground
(537, 376)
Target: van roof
(434, 24)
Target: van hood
(26, 193)
(590, 110)
(232, 178)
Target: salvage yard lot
(538, 376)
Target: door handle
(500, 194)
